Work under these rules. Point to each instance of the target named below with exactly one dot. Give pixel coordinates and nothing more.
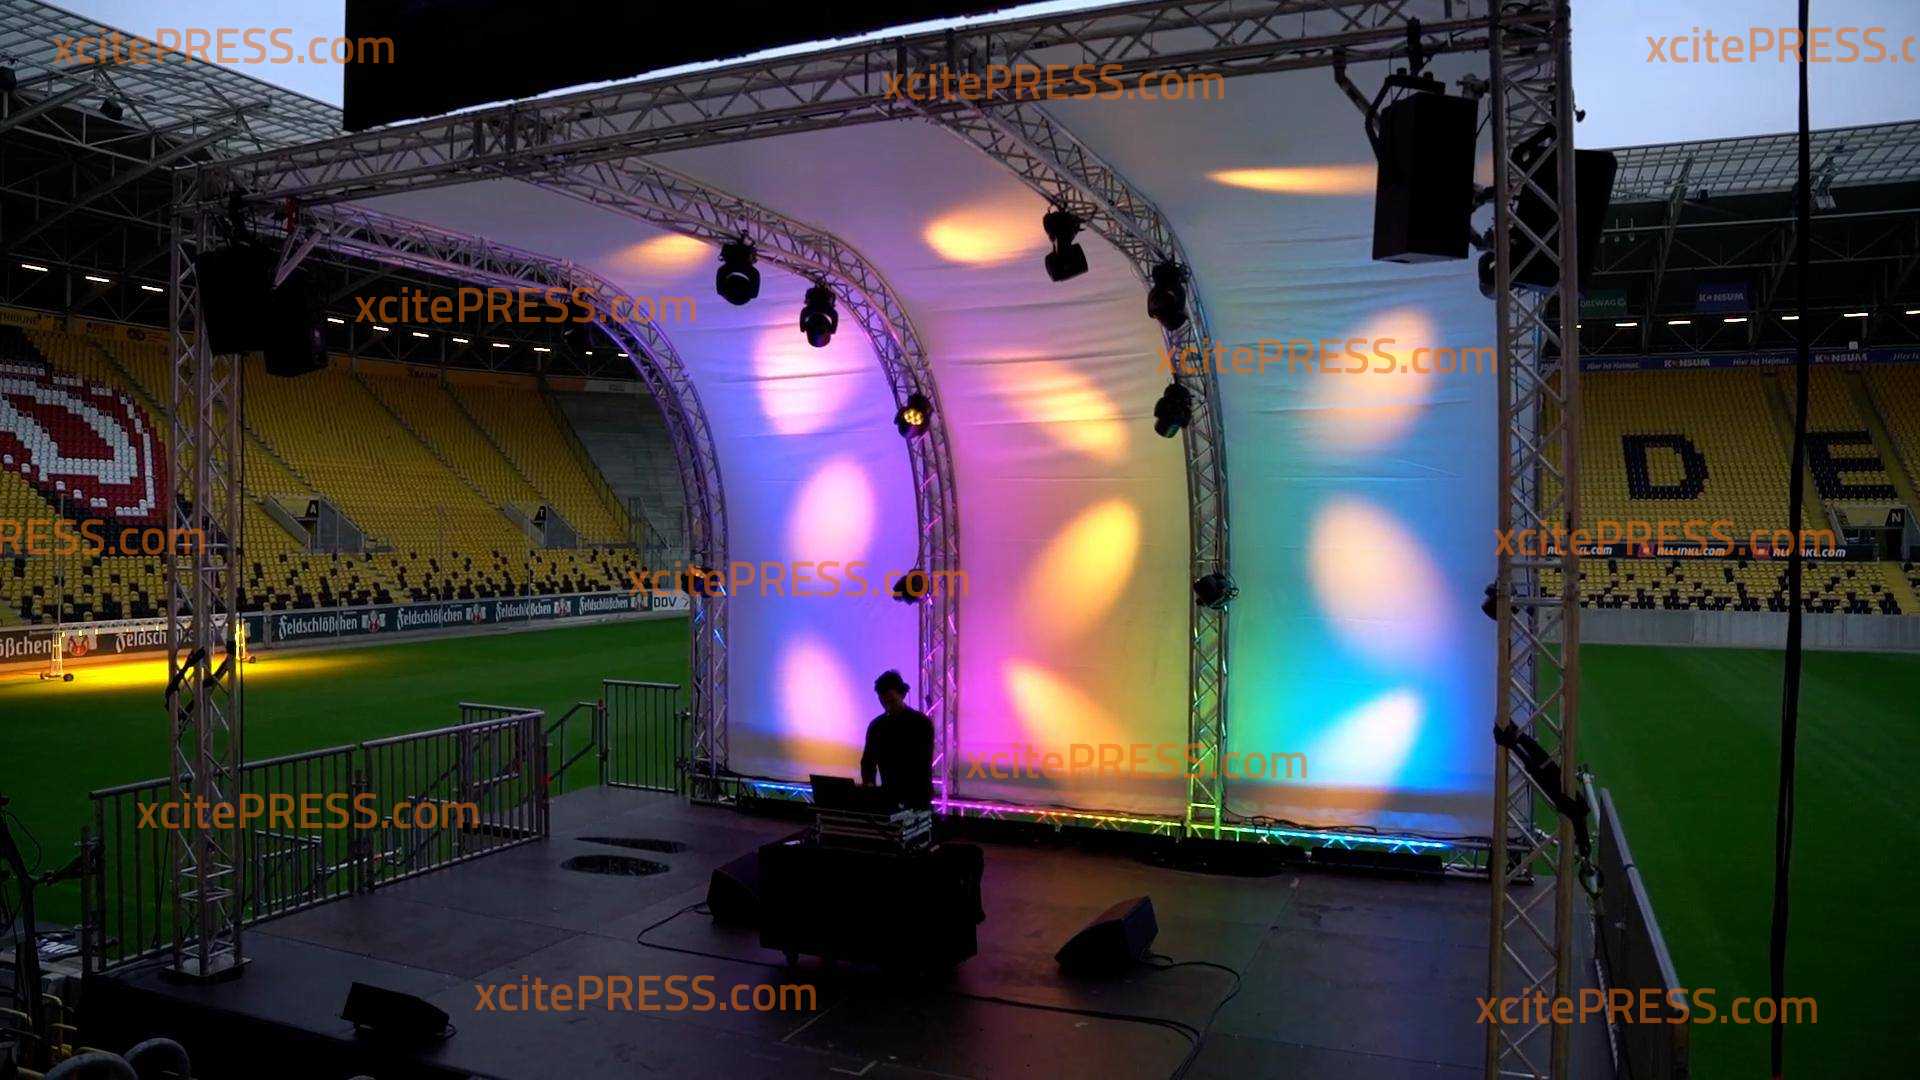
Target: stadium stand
(439, 498)
(1712, 446)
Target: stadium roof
(180, 99)
(1757, 164)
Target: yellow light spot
(1355, 179)
(670, 253)
(985, 234)
(1083, 570)
(1074, 411)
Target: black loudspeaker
(390, 1014)
(733, 893)
(236, 297)
(297, 337)
(1593, 172)
(1114, 941)
(1423, 195)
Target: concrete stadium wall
(1748, 630)
(628, 440)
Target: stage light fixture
(1167, 300)
(1173, 411)
(913, 587)
(1490, 607)
(1215, 591)
(8, 80)
(737, 281)
(110, 108)
(914, 416)
(1067, 259)
(818, 319)
(695, 581)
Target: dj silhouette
(899, 746)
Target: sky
(1630, 97)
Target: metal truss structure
(687, 206)
(846, 85)
(204, 696)
(396, 241)
(563, 135)
(1064, 171)
(1531, 936)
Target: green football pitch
(1685, 739)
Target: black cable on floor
(1796, 498)
(1195, 1036)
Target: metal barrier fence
(318, 826)
(1634, 957)
(642, 736)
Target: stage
(1344, 974)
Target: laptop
(843, 793)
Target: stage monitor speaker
(390, 1014)
(1423, 194)
(1114, 941)
(1593, 172)
(297, 339)
(733, 893)
(236, 297)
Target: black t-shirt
(900, 747)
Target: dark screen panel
(448, 54)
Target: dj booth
(914, 909)
(868, 885)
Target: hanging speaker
(1423, 191)
(296, 341)
(236, 297)
(1117, 939)
(1593, 173)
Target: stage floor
(1344, 975)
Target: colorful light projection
(1071, 407)
(1366, 410)
(803, 390)
(1083, 571)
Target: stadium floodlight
(1167, 300)
(1067, 259)
(1173, 412)
(737, 281)
(818, 319)
(914, 416)
(1215, 591)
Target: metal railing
(319, 826)
(643, 735)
